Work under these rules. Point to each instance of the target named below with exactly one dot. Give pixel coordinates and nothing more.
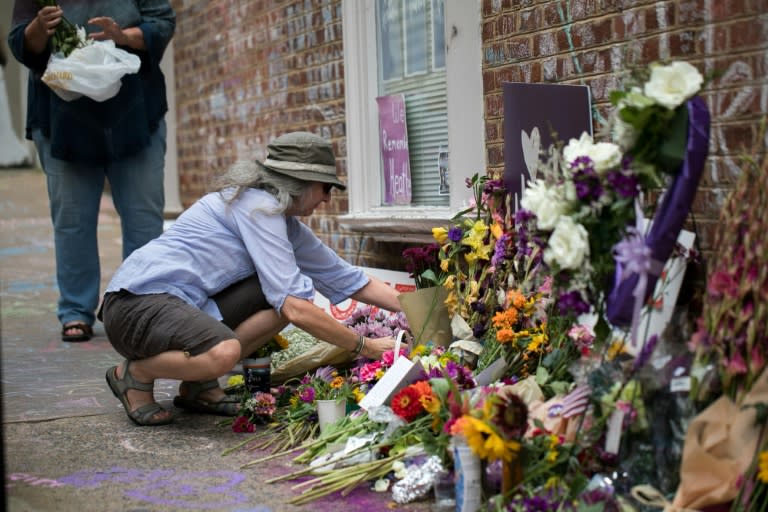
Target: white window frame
(466, 125)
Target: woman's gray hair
(250, 174)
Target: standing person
(230, 273)
(81, 143)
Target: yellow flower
(762, 474)
(536, 342)
(356, 393)
(552, 456)
(419, 350)
(449, 283)
(616, 348)
(235, 380)
(440, 234)
(281, 340)
(552, 482)
(496, 230)
(379, 373)
(444, 265)
(337, 382)
(294, 400)
(486, 443)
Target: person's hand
(109, 30)
(375, 347)
(41, 28)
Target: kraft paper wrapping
(719, 446)
(321, 354)
(427, 315)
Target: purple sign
(393, 134)
(535, 116)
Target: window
(399, 47)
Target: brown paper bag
(719, 446)
(427, 315)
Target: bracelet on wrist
(360, 345)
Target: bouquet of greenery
(67, 36)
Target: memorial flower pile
(555, 397)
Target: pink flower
(388, 357)
(736, 366)
(546, 286)
(756, 360)
(307, 394)
(241, 424)
(582, 337)
(368, 372)
(723, 284)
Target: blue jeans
(74, 195)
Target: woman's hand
(41, 28)
(109, 30)
(131, 37)
(375, 347)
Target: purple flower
(625, 185)
(325, 373)
(500, 251)
(307, 395)
(587, 183)
(455, 234)
(572, 303)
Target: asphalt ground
(67, 443)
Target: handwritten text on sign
(394, 149)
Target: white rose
(568, 245)
(671, 85)
(546, 202)
(604, 155)
(577, 147)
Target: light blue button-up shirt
(214, 244)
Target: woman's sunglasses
(327, 187)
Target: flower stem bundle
(66, 38)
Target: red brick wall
(249, 70)
(592, 42)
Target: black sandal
(227, 406)
(86, 332)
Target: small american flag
(576, 401)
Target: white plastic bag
(94, 71)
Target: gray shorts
(141, 326)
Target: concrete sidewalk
(68, 444)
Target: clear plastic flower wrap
(418, 480)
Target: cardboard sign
(393, 137)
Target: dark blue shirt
(84, 129)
